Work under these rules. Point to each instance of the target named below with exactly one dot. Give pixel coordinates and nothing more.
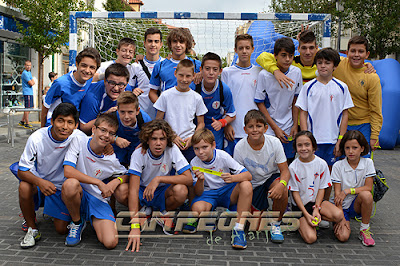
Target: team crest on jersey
(164, 168)
(97, 173)
(254, 82)
(216, 104)
(331, 97)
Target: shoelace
(275, 229)
(29, 235)
(73, 230)
(368, 234)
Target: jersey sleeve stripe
(21, 168)
(69, 163)
(183, 169)
(133, 172)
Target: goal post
(212, 31)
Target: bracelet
(316, 206)
(223, 122)
(352, 191)
(340, 137)
(283, 182)
(120, 179)
(115, 138)
(135, 226)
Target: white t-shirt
(104, 65)
(279, 99)
(44, 156)
(262, 164)
(221, 162)
(139, 79)
(242, 82)
(325, 104)
(181, 108)
(81, 157)
(308, 178)
(348, 177)
(147, 166)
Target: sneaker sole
(239, 247)
(188, 232)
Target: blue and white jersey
(280, 99)
(163, 77)
(325, 104)
(26, 88)
(242, 82)
(44, 156)
(132, 135)
(307, 178)
(263, 163)
(221, 162)
(96, 102)
(139, 79)
(147, 166)
(81, 157)
(216, 109)
(65, 89)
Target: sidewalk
(18, 130)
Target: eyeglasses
(105, 131)
(113, 84)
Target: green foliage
(116, 5)
(48, 23)
(378, 20)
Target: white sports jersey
(348, 177)
(139, 79)
(262, 164)
(279, 100)
(308, 178)
(147, 166)
(221, 162)
(44, 156)
(325, 104)
(181, 108)
(242, 82)
(81, 156)
(104, 65)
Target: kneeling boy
(84, 192)
(230, 186)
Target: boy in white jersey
(276, 103)
(231, 188)
(179, 41)
(264, 158)
(125, 53)
(141, 72)
(151, 183)
(241, 78)
(181, 105)
(84, 192)
(41, 173)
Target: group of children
(178, 152)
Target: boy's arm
(133, 203)
(200, 122)
(280, 134)
(45, 186)
(268, 62)
(295, 117)
(342, 131)
(199, 186)
(375, 110)
(43, 116)
(243, 176)
(303, 119)
(277, 191)
(153, 95)
(87, 128)
(160, 114)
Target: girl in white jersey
(309, 179)
(352, 181)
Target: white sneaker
(31, 237)
(324, 224)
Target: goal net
(212, 32)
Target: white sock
(277, 223)
(239, 226)
(364, 226)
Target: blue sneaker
(75, 233)
(190, 227)
(239, 239)
(276, 234)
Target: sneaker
(28, 126)
(168, 228)
(21, 123)
(190, 227)
(239, 239)
(276, 234)
(366, 238)
(31, 237)
(324, 224)
(75, 233)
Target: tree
(47, 29)
(378, 20)
(116, 5)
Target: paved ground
(327, 250)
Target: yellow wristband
(340, 137)
(120, 179)
(283, 182)
(352, 191)
(135, 226)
